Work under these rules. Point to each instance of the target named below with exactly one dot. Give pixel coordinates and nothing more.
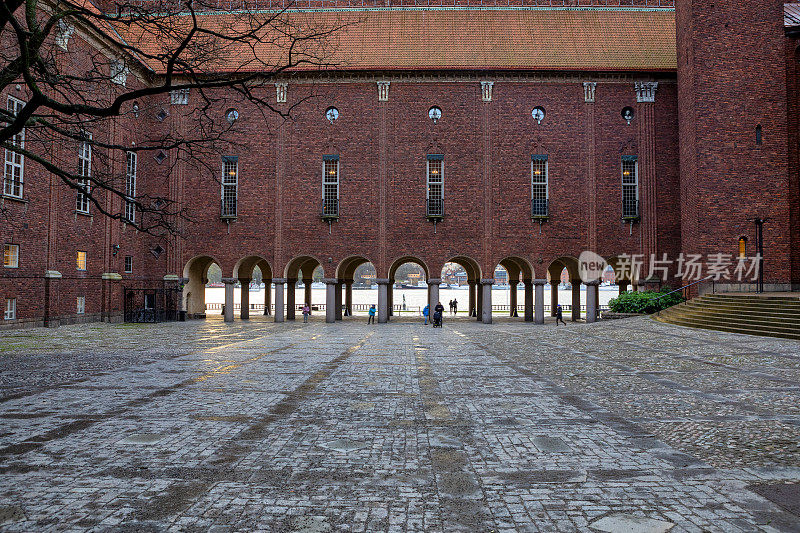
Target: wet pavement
(627, 425)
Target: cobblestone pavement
(399, 427)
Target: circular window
(231, 115)
(628, 114)
(332, 114)
(434, 114)
(538, 114)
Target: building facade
(641, 130)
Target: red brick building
(515, 136)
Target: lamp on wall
(114, 249)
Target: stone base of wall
(610, 315)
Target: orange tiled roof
(461, 39)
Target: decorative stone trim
(230, 281)
(595, 282)
(52, 274)
(646, 91)
(330, 281)
(486, 90)
(383, 281)
(540, 282)
(487, 281)
(278, 281)
(383, 91)
(588, 91)
(113, 276)
(281, 88)
(171, 277)
(434, 281)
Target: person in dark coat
(560, 316)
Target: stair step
(741, 323)
(733, 329)
(711, 311)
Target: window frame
(10, 184)
(226, 186)
(80, 305)
(536, 160)
(434, 161)
(627, 159)
(78, 261)
(10, 312)
(128, 264)
(11, 246)
(82, 202)
(130, 186)
(330, 186)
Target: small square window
(11, 309)
(81, 305)
(81, 261)
(128, 264)
(11, 255)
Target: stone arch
(470, 265)
(519, 266)
(347, 266)
(194, 289)
(245, 266)
(306, 263)
(408, 259)
(473, 270)
(559, 264)
(554, 271)
(622, 276)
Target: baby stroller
(437, 319)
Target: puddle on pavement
(142, 438)
(343, 445)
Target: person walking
(306, 312)
(560, 316)
(425, 312)
(439, 309)
(451, 307)
(371, 319)
(455, 306)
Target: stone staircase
(771, 316)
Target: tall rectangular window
(11, 255)
(13, 172)
(230, 185)
(435, 192)
(330, 186)
(84, 174)
(80, 307)
(11, 309)
(130, 187)
(128, 264)
(80, 261)
(630, 187)
(539, 186)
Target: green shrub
(644, 302)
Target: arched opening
(255, 281)
(408, 284)
(471, 274)
(508, 275)
(309, 271)
(357, 274)
(565, 286)
(196, 276)
(622, 273)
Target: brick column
(486, 307)
(528, 300)
(348, 297)
(330, 299)
(52, 279)
(110, 294)
(472, 300)
(279, 317)
(244, 307)
(478, 302)
(589, 88)
(645, 119)
(539, 313)
(229, 283)
(576, 299)
(383, 300)
(623, 286)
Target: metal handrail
(682, 288)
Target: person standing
(560, 316)
(371, 319)
(425, 312)
(306, 312)
(439, 309)
(451, 307)
(455, 306)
